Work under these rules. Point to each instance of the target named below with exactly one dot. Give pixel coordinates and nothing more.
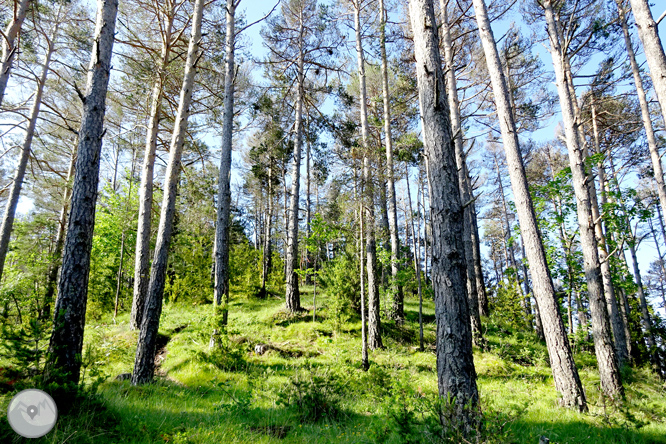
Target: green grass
(238, 397)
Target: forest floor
(309, 387)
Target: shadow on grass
(413, 316)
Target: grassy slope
(195, 401)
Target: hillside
(308, 387)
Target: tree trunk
(565, 374)
(293, 298)
(14, 194)
(617, 323)
(54, 267)
(119, 276)
(142, 254)
(374, 323)
(642, 99)
(364, 335)
(645, 314)
(654, 51)
(603, 343)
(308, 206)
(466, 193)
(66, 343)
(9, 48)
(268, 251)
(144, 363)
(223, 222)
(455, 366)
(417, 258)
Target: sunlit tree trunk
(374, 324)
(293, 298)
(455, 366)
(142, 252)
(66, 343)
(26, 149)
(223, 221)
(144, 363)
(564, 369)
(9, 46)
(645, 110)
(603, 343)
(652, 46)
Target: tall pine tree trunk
(603, 343)
(9, 46)
(398, 310)
(645, 110)
(66, 343)
(466, 193)
(144, 362)
(224, 180)
(564, 369)
(653, 48)
(15, 192)
(293, 297)
(142, 254)
(455, 366)
(374, 323)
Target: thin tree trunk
(119, 276)
(9, 47)
(142, 254)
(617, 323)
(308, 206)
(611, 383)
(15, 193)
(364, 336)
(266, 259)
(654, 51)
(144, 363)
(66, 343)
(54, 267)
(565, 374)
(374, 323)
(293, 299)
(455, 366)
(645, 110)
(645, 314)
(417, 259)
(223, 222)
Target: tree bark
(142, 254)
(603, 343)
(222, 225)
(54, 267)
(9, 47)
(15, 193)
(66, 343)
(455, 366)
(654, 51)
(617, 323)
(144, 363)
(466, 193)
(645, 110)
(417, 258)
(565, 374)
(293, 297)
(374, 323)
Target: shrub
(313, 395)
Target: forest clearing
(367, 221)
